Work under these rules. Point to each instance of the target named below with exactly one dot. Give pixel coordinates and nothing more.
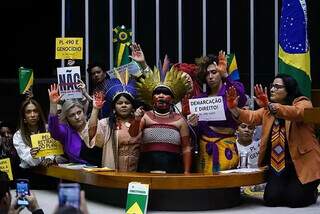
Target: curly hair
(203, 63)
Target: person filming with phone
(29, 199)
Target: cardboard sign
(46, 144)
(208, 108)
(69, 48)
(137, 199)
(5, 166)
(132, 67)
(68, 78)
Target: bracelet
(147, 69)
(271, 109)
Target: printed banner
(69, 48)
(68, 77)
(5, 166)
(208, 109)
(46, 144)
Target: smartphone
(69, 194)
(22, 189)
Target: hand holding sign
(98, 100)
(261, 96)
(53, 92)
(34, 151)
(232, 98)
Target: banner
(68, 78)
(137, 199)
(46, 144)
(69, 48)
(208, 109)
(5, 166)
(25, 79)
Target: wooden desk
(167, 191)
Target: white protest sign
(208, 108)
(68, 77)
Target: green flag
(25, 79)
(294, 53)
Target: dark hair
(112, 116)
(7, 124)
(4, 184)
(162, 89)
(291, 86)
(203, 63)
(96, 64)
(25, 132)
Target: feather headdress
(174, 80)
(119, 85)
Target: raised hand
(261, 95)
(138, 114)
(232, 97)
(53, 92)
(82, 86)
(222, 64)
(137, 54)
(98, 99)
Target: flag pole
(63, 23)
(251, 47)
(110, 34)
(204, 27)
(86, 61)
(228, 27)
(180, 30)
(157, 32)
(276, 37)
(133, 20)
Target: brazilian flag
(233, 67)
(294, 52)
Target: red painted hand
(98, 99)
(261, 96)
(232, 98)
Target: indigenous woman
(165, 134)
(120, 150)
(288, 145)
(218, 150)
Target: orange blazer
(304, 148)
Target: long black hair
(291, 86)
(113, 116)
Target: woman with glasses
(288, 145)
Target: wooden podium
(175, 192)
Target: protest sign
(5, 166)
(69, 48)
(68, 78)
(208, 108)
(137, 199)
(47, 145)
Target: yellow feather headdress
(174, 80)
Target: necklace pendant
(127, 124)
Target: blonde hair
(67, 105)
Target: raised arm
(138, 56)
(98, 101)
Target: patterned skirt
(217, 154)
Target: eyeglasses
(276, 86)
